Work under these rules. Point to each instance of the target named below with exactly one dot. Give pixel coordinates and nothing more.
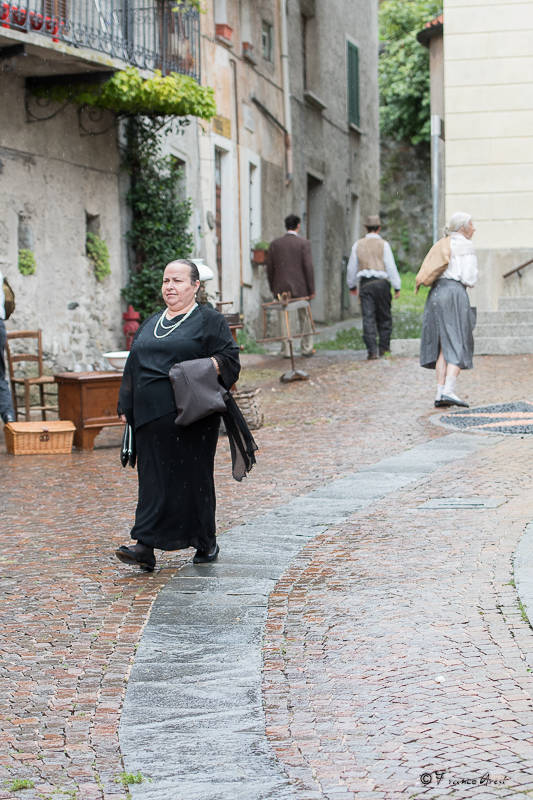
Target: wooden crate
(36, 438)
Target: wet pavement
(352, 641)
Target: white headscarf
(457, 221)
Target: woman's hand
(215, 362)
(122, 418)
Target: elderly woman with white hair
(447, 343)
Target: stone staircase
(506, 331)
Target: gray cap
(373, 221)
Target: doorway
(315, 234)
(218, 217)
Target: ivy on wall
(159, 230)
(26, 262)
(98, 253)
(181, 4)
(127, 93)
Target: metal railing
(518, 269)
(144, 33)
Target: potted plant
(248, 52)
(224, 31)
(259, 252)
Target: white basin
(117, 358)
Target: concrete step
(483, 346)
(502, 345)
(405, 347)
(497, 317)
(507, 329)
(515, 303)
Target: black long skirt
(176, 504)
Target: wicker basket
(249, 401)
(36, 438)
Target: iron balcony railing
(148, 34)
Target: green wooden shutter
(353, 84)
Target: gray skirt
(447, 325)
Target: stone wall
(336, 164)
(406, 208)
(53, 181)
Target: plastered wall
(51, 177)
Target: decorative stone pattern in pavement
(397, 661)
(71, 615)
(513, 418)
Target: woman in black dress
(176, 502)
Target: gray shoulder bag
(197, 392)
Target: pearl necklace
(168, 330)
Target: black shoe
(201, 557)
(128, 555)
(8, 417)
(372, 357)
(441, 404)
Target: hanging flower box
(224, 31)
(248, 52)
(18, 15)
(259, 251)
(36, 21)
(4, 14)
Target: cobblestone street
(397, 658)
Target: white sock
(449, 386)
(440, 391)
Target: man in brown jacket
(290, 270)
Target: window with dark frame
(354, 117)
(267, 39)
(178, 168)
(304, 51)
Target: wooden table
(90, 400)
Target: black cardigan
(145, 392)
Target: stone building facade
(60, 165)
(296, 131)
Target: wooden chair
(23, 405)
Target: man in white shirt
(6, 406)
(371, 273)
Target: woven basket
(36, 438)
(249, 401)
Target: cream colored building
(488, 97)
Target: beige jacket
(435, 263)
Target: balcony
(147, 34)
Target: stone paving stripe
(463, 502)
(193, 719)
